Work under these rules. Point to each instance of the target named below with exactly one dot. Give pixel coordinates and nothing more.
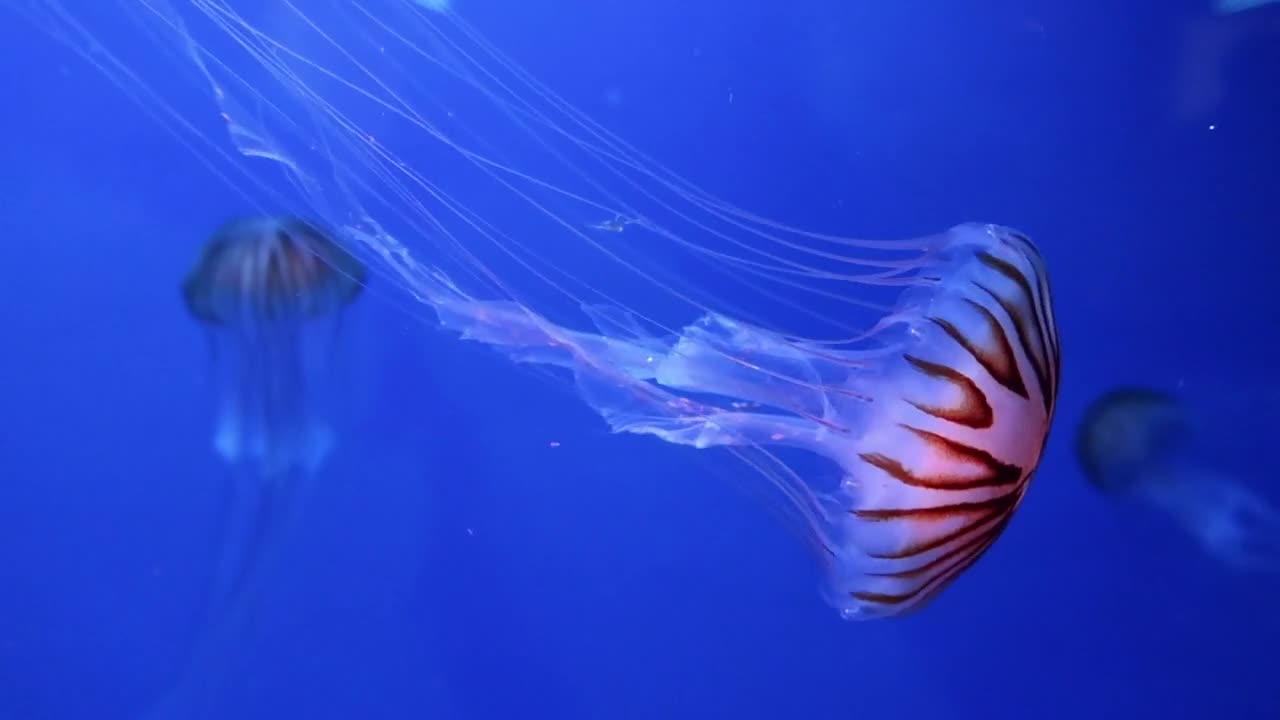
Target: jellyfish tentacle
(263, 516)
(1243, 529)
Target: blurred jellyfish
(1145, 444)
(270, 290)
(920, 373)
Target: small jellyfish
(270, 291)
(1145, 444)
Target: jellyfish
(1145, 445)
(270, 291)
(890, 399)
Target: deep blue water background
(452, 564)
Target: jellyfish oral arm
(630, 382)
(1230, 521)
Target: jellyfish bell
(1127, 431)
(260, 268)
(270, 290)
(923, 370)
(1149, 446)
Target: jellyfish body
(270, 291)
(394, 122)
(937, 430)
(1145, 445)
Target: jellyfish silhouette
(1146, 445)
(270, 291)
(921, 373)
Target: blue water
(454, 564)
